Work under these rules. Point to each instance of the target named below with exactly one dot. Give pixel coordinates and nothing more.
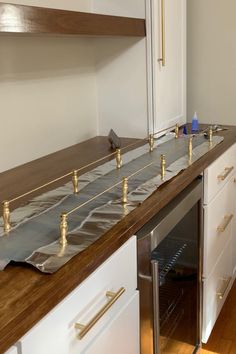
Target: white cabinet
(219, 237)
(168, 43)
(12, 350)
(106, 303)
(119, 336)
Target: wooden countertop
(27, 295)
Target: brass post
(190, 147)
(176, 131)
(6, 216)
(118, 159)
(124, 190)
(63, 229)
(75, 181)
(210, 135)
(163, 167)
(151, 142)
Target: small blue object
(185, 132)
(195, 123)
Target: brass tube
(93, 198)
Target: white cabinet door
(168, 23)
(12, 350)
(122, 333)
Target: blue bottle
(195, 123)
(185, 132)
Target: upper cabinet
(168, 61)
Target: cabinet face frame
(154, 38)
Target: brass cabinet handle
(86, 328)
(222, 227)
(226, 172)
(163, 35)
(222, 293)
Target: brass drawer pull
(224, 175)
(222, 227)
(86, 328)
(221, 294)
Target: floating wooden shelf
(38, 20)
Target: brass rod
(40, 187)
(93, 198)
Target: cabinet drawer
(215, 290)
(56, 332)
(218, 220)
(219, 173)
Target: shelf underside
(38, 20)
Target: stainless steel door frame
(149, 238)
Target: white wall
(212, 60)
(47, 95)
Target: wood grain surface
(27, 295)
(38, 20)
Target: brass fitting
(63, 229)
(151, 142)
(177, 131)
(163, 167)
(118, 159)
(75, 181)
(125, 190)
(6, 216)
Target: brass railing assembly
(75, 179)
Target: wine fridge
(169, 276)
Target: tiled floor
(223, 337)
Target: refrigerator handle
(156, 323)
